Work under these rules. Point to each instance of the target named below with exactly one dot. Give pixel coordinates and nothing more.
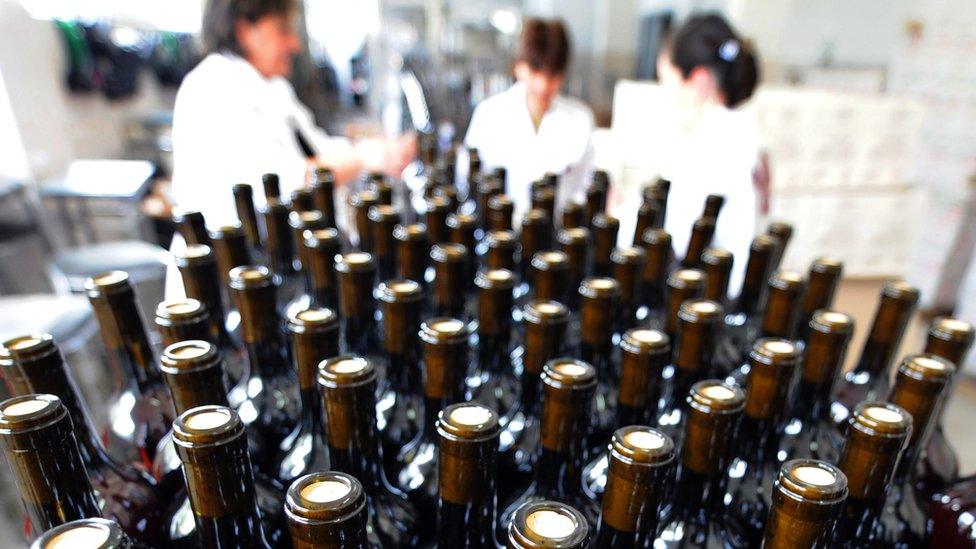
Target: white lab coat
(501, 129)
(717, 155)
(232, 125)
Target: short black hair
(544, 45)
(220, 16)
(709, 41)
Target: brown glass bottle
(271, 405)
(280, 244)
(810, 432)
(323, 195)
(464, 231)
(657, 194)
(451, 280)
(742, 321)
(567, 387)
(778, 317)
(34, 364)
(326, 510)
(244, 204)
(413, 252)
(600, 298)
(876, 434)
(356, 272)
(551, 276)
(401, 400)
(500, 211)
(40, 447)
(626, 267)
(693, 351)
(544, 198)
(646, 219)
(467, 459)
(644, 354)
(694, 518)
(547, 524)
(229, 243)
(536, 236)
(300, 224)
(605, 230)
(806, 501)
(572, 216)
(435, 218)
(545, 325)
(641, 472)
(702, 233)
(314, 338)
(445, 342)
(654, 279)
(713, 206)
(501, 249)
(383, 219)
(755, 465)
(212, 444)
(869, 379)
(192, 227)
(683, 285)
(576, 244)
(348, 386)
(717, 265)
(596, 197)
(319, 250)
(134, 429)
(822, 281)
(493, 382)
(487, 187)
(94, 533)
(951, 339)
(783, 233)
(360, 202)
(301, 201)
(378, 182)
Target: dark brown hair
(544, 45)
(220, 16)
(709, 41)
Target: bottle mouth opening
(29, 412)
(196, 251)
(83, 535)
(548, 523)
(108, 281)
(813, 480)
(26, 346)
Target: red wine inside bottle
(806, 500)
(326, 510)
(40, 447)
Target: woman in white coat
(531, 129)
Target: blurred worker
(708, 71)
(530, 129)
(237, 116)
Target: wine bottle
(657, 194)
(640, 474)
(86, 533)
(449, 193)
(626, 266)
(605, 230)
(198, 269)
(34, 364)
(348, 386)
(230, 247)
(806, 501)
(445, 363)
(300, 222)
(647, 215)
(876, 435)
(600, 298)
(182, 320)
(467, 459)
(280, 244)
(244, 204)
(572, 216)
(301, 201)
(810, 432)
(450, 280)
(693, 352)
(271, 402)
(500, 211)
(551, 276)
(683, 285)
(323, 195)
(951, 339)
(575, 243)
(743, 318)
(493, 383)
(141, 414)
(378, 182)
(756, 463)
(399, 409)
(435, 218)
(357, 273)
(822, 282)
(702, 233)
(314, 338)
(543, 524)
(40, 447)
(487, 187)
(319, 250)
(643, 356)
(713, 206)
(717, 265)
(545, 339)
(544, 198)
(326, 510)
(413, 252)
(464, 231)
(359, 203)
(383, 219)
(536, 236)
(212, 444)
(654, 279)
(501, 247)
(192, 227)
(869, 378)
(783, 233)
(596, 197)
(567, 387)
(694, 517)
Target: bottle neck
(760, 441)
(354, 444)
(360, 333)
(267, 356)
(558, 473)
(493, 352)
(812, 402)
(529, 397)
(699, 495)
